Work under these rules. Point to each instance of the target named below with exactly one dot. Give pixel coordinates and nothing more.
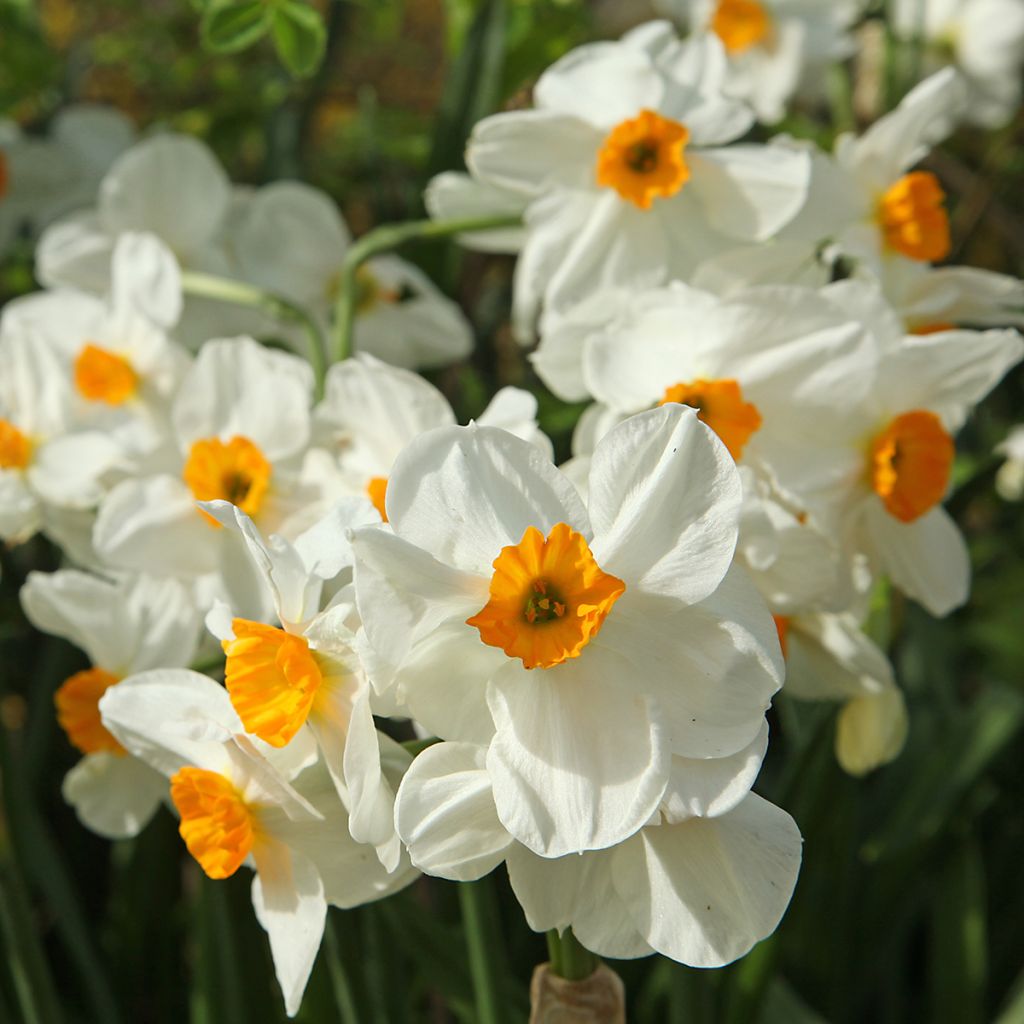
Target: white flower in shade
(503, 612)
(866, 200)
(123, 367)
(983, 38)
(124, 626)
(241, 426)
(702, 882)
(624, 164)
(828, 657)
(44, 177)
(307, 671)
(291, 239)
(240, 805)
(371, 411)
(45, 470)
(1010, 478)
(452, 195)
(887, 503)
(777, 373)
(771, 44)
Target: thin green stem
(384, 239)
(477, 918)
(569, 958)
(208, 286)
(344, 998)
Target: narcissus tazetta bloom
(502, 611)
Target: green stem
(239, 293)
(477, 917)
(384, 239)
(569, 958)
(344, 997)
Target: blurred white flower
(1010, 478)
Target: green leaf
(233, 26)
(300, 38)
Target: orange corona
(235, 471)
(548, 598)
(103, 376)
(78, 711)
(15, 447)
(642, 159)
(216, 822)
(740, 24)
(719, 404)
(913, 217)
(377, 490)
(911, 460)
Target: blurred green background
(910, 905)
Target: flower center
(740, 24)
(719, 404)
(78, 711)
(272, 678)
(910, 464)
(548, 598)
(15, 447)
(642, 158)
(235, 471)
(216, 823)
(377, 489)
(103, 376)
(913, 217)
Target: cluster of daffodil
(777, 373)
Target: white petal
(704, 891)
(114, 796)
(455, 196)
(577, 762)
(68, 471)
(662, 459)
(145, 277)
(445, 813)
(75, 253)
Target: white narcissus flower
(241, 424)
(701, 882)
(125, 626)
(123, 368)
(624, 164)
(983, 38)
(771, 44)
(242, 804)
(776, 372)
(371, 411)
(889, 505)
(291, 239)
(503, 612)
(308, 671)
(45, 470)
(828, 657)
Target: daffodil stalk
(384, 239)
(209, 286)
(569, 958)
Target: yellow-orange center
(216, 823)
(913, 218)
(78, 711)
(910, 464)
(782, 628)
(235, 471)
(936, 328)
(642, 158)
(548, 598)
(15, 447)
(377, 489)
(272, 678)
(740, 24)
(719, 404)
(104, 376)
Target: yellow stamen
(216, 823)
(719, 404)
(272, 678)
(548, 598)
(642, 158)
(103, 376)
(782, 628)
(15, 447)
(740, 24)
(377, 490)
(78, 711)
(913, 218)
(910, 464)
(234, 471)
(933, 328)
